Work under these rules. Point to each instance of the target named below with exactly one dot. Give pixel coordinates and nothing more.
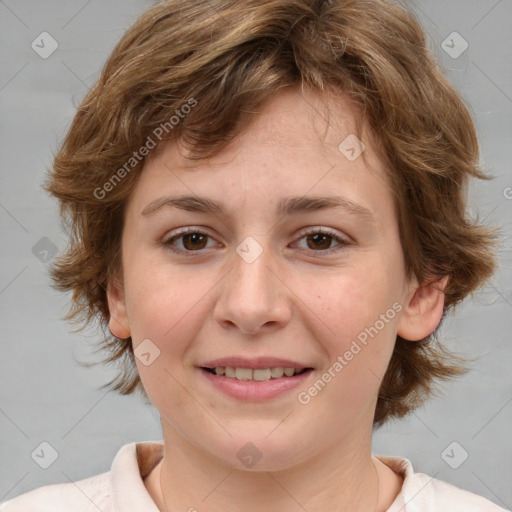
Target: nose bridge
(252, 270)
(252, 297)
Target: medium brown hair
(229, 56)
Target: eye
(320, 240)
(190, 240)
(194, 240)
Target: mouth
(256, 379)
(255, 374)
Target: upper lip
(254, 363)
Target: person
(267, 209)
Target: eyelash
(187, 231)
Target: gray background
(47, 396)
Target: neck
(343, 478)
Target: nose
(253, 297)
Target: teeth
(277, 372)
(260, 374)
(243, 373)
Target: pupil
(318, 238)
(195, 238)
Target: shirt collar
(135, 461)
(131, 465)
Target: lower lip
(255, 391)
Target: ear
(423, 310)
(118, 322)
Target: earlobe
(118, 322)
(423, 310)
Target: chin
(263, 452)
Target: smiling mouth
(258, 375)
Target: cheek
(160, 300)
(164, 308)
(361, 315)
(361, 310)
(352, 300)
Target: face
(269, 278)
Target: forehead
(294, 141)
(301, 119)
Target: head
(246, 104)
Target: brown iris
(196, 240)
(319, 238)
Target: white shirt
(122, 489)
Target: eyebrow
(288, 206)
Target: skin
(299, 299)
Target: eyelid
(178, 233)
(343, 240)
(326, 231)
